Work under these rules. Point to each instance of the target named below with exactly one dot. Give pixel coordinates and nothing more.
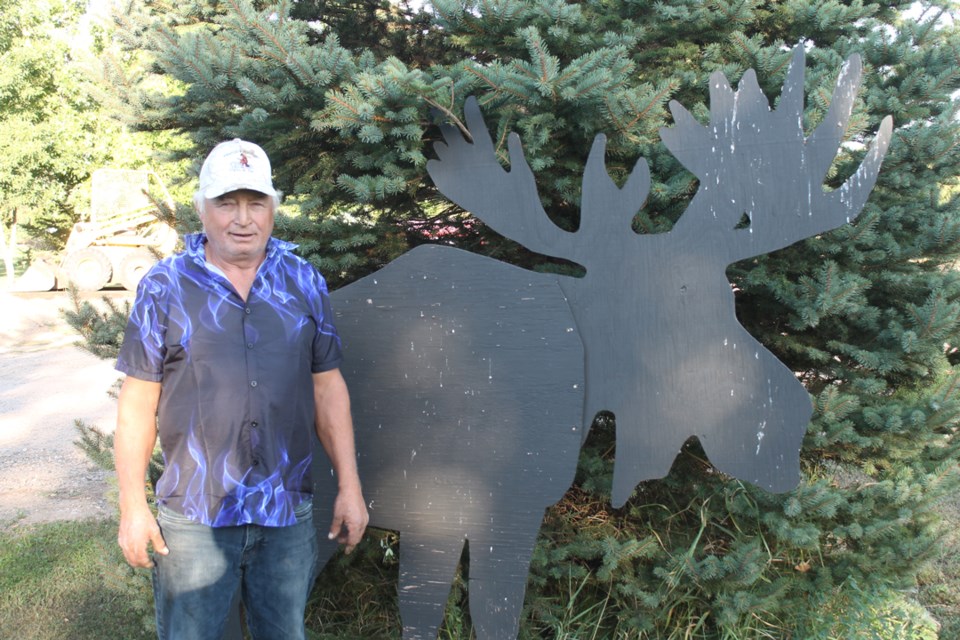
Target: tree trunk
(9, 250)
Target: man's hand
(138, 528)
(350, 519)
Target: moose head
(664, 351)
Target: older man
(232, 357)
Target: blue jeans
(273, 568)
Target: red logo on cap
(243, 161)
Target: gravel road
(46, 383)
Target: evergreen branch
(784, 64)
(96, 444)
(523, 69)
(860, 229)
(841, 408)
(945, 421)
(742, 42)
(286, 59)
(642, 112)
(588, 88)
(482, 77)
(572, 71)
(620, 126)
(502, 142)
(732, 16)
(928, 26)
(332, 97)
(948, 389)
(174, 43)
(494, 86)
(464, 131)
(948, 150)
(542, 57)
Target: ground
(47, 382)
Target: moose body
(467, 380)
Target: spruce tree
(867, 315)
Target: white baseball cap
(236, 164)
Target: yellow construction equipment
(123, 238)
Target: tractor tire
(133, 267)
(88, 269)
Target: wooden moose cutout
(467, 375)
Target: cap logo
(233, 165)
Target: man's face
(238, 225)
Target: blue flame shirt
(236, 411)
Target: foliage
(939, 581)
(102, 331)
(56, 125)
(42, 112)
(867, 315)
(69, 580)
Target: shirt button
(247, 310)
(249, 345)
(253, 383)
(254, 424)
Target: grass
(939, 582)
(68, 580)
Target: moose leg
(427, 567)
(498, 581)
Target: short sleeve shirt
(236, 412)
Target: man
(232, 358)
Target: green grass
(68, 580)
(939, 589)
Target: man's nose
(242, 214)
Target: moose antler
(507, 201)
(755, 161)
(470, 175)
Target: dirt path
(46, 383)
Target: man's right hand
(138, 529)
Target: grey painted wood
(664, 350)
(467, 383)
(473, 382)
